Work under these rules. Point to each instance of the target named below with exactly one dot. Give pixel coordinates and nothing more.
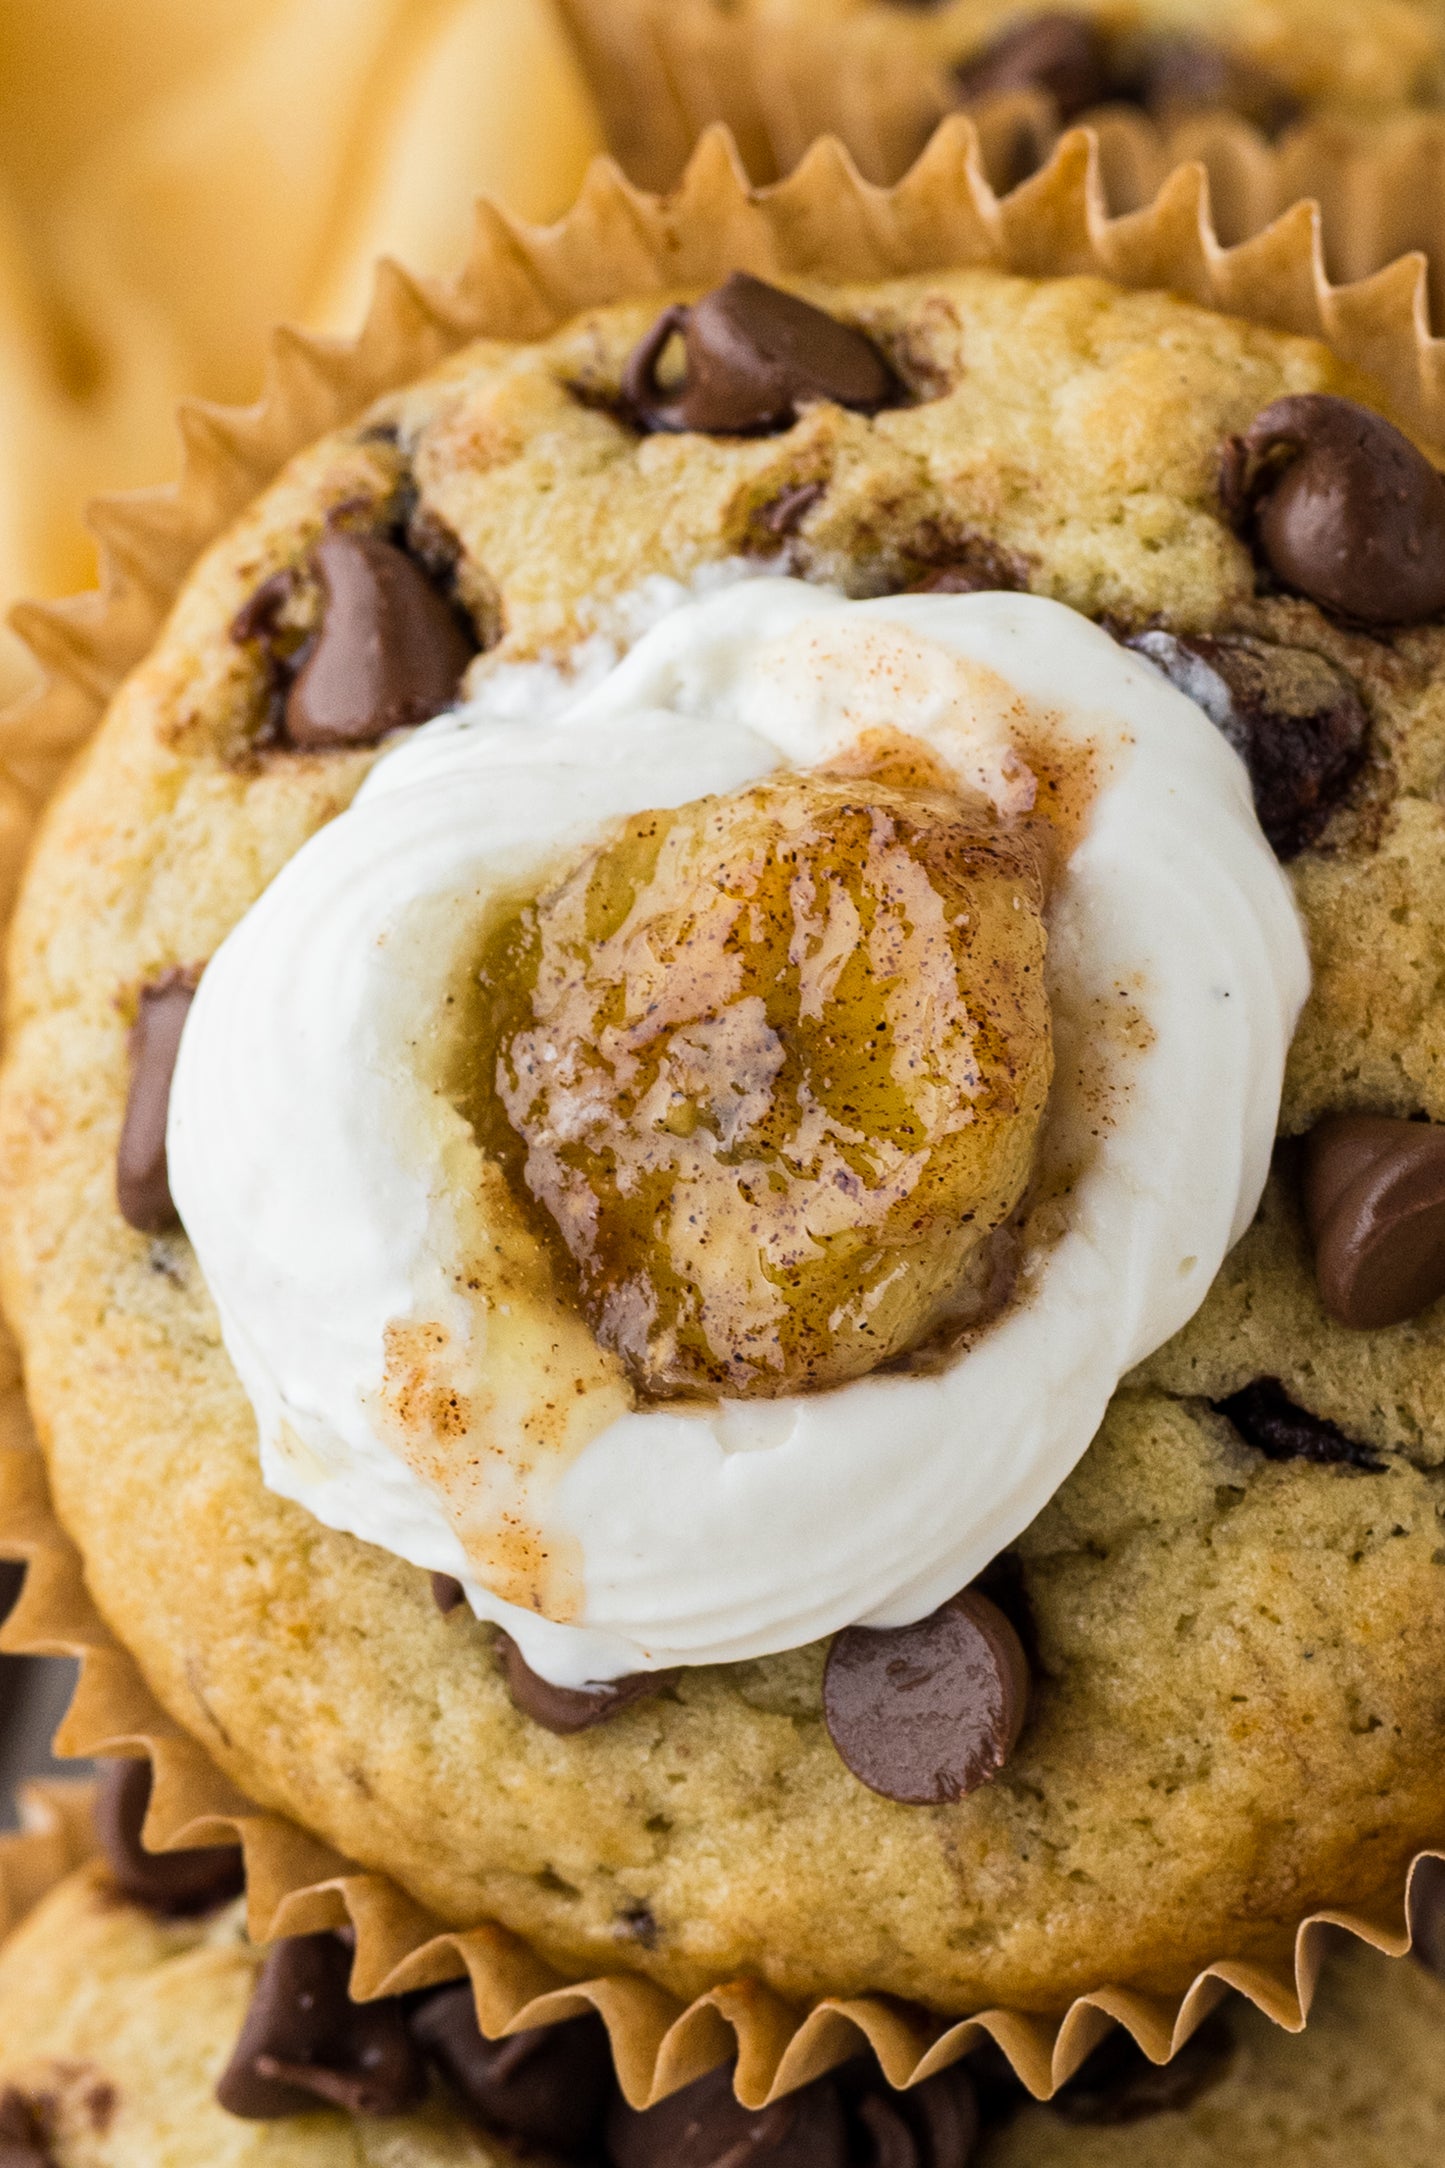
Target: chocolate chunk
(1374, 1199)
(171, 1883)
(565, 1709)
(22, 2133)
(1172, 76)
(1296, 722)
(1427, 1915)
(550, 2086)
(390, 652)
(706, 2126)
(850, 2116)
(925, 1713)
(1119, 2084)
(754, 356)
(1342, 507)
(1266, 1418)
(1057, 53)
(304, 2040)
(142, 1188)
(447, 1592)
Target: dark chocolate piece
(22, 2133)
(304, 2040)
(753, 356)
(447, 1592)
(390, 652)
(142, 1187)
(1117, 2083)
(1374, 1199)
(1173, 75)
(1266, 1418)
(172, 1883)
(1062, 55)
(549, 2086)
(705, 2126)
(928, 1712)
(851, 2118)
(566, 1709)
(1342, 507)
(1296, 722)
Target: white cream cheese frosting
(330, 1188)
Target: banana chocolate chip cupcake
(139, 2025)
(1175, 59)
(721, 1141)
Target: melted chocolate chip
(849, 2119)
(1374, 1199)
(1296, 722)
(172, 1883)
(1062, 55)
(304, 2040)
(1266, 1418)
(142, 1187)
(447, 1592)
(1119, 2084)
(22, 2133)
(566, 1709)
(754, 356)
(925, 1713)
(390, 652)
(1427, 1915)
(1342, 507)
(787, 511)
(549, 2087)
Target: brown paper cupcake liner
(522, 283)
(665, 70)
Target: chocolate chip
(787, 511)
(566, 1709)
(304, 2040)
(1174, 75)
(549, 2086)
(706, 2126)
(142, 1187)
(754, 356)
(1427, 1915)
(1296, 722)
(390, 652)
(1342, 507)
(22, 2133)
(1374, 1199)
(851, 2118)
(925, 1713)
(1119, 2084)
(1266, 1418)
(447, 1592)
(1060, 54)
(171, 1883)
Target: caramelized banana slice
(772, 1068)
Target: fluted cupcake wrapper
(56, 1835)
(522, 283)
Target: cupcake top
(667, 992)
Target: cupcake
(721, 1145)
(1162, 79)
(139, 2022)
